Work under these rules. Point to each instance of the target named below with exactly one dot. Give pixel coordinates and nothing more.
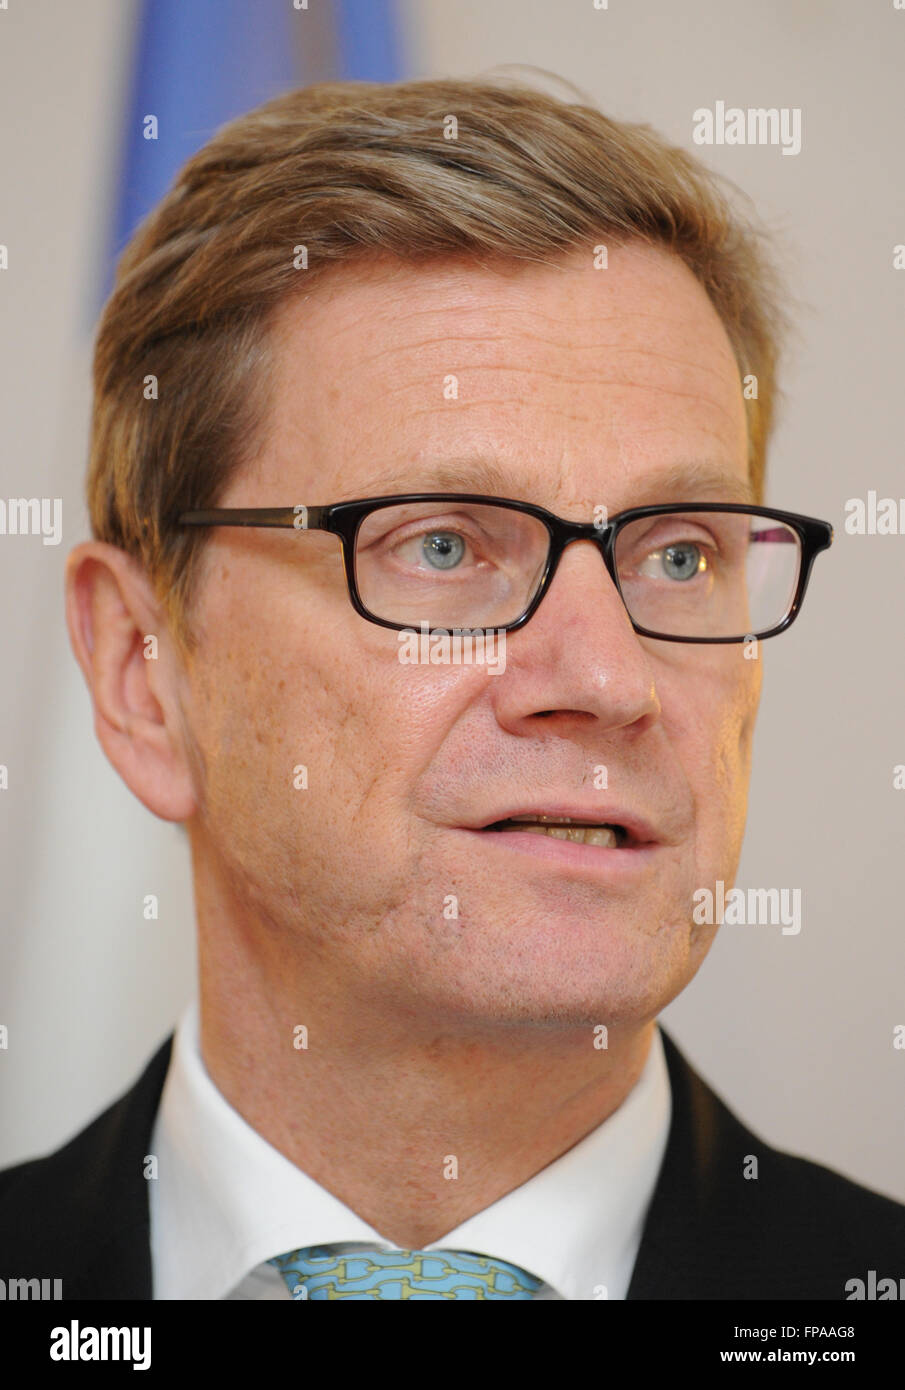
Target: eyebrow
(686, 481)
(698, 476)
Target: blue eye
(442, 549)
(682, 561)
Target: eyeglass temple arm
(299, 518)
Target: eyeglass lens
(693, 574)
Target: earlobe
(122, 643)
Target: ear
(135, 683)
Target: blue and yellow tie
(319, 1272)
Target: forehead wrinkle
(574, 323)
(518, 368)
(574, 344)
(571, 344)
(573, 373)
(390, 392)
(429, 380)
(563, 413)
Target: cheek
(243, 734)
(361, 724)
(739, 697)
(734, 713)
(364, 730)
(709, 712)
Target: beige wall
(796, 1031)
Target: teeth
(601, 835)
(544, 820)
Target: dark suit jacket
(796, 1231)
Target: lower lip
(609, 862)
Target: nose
(579, 661)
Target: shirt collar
(226, 1200)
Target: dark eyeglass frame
(343, 519)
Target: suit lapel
(682, 1231)
(82, 1214)
(120, 1266)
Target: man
(443, 891)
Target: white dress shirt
(225, 1200)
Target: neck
(414, 1124)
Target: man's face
(583, 387)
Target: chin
(566, 973)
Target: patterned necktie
(320, 1271)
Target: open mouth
(601, 834)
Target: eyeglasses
(686, 572)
